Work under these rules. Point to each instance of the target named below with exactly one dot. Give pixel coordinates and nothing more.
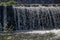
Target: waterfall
(29, 18)
(5, 17)
(37, 18)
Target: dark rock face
(6, 17)
(57, 1)
(37, 1)
(1, 17)
(10, 16)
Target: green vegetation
(7, 32)
(10, 2)
(8, 28)
(22, 36)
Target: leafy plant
(10, 2)
(8, 28)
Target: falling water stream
(37, 18)
(30, 18)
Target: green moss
(9, 3)
(22, 36)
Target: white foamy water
(56, 31)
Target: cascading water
(29, 18)
(37, 18)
